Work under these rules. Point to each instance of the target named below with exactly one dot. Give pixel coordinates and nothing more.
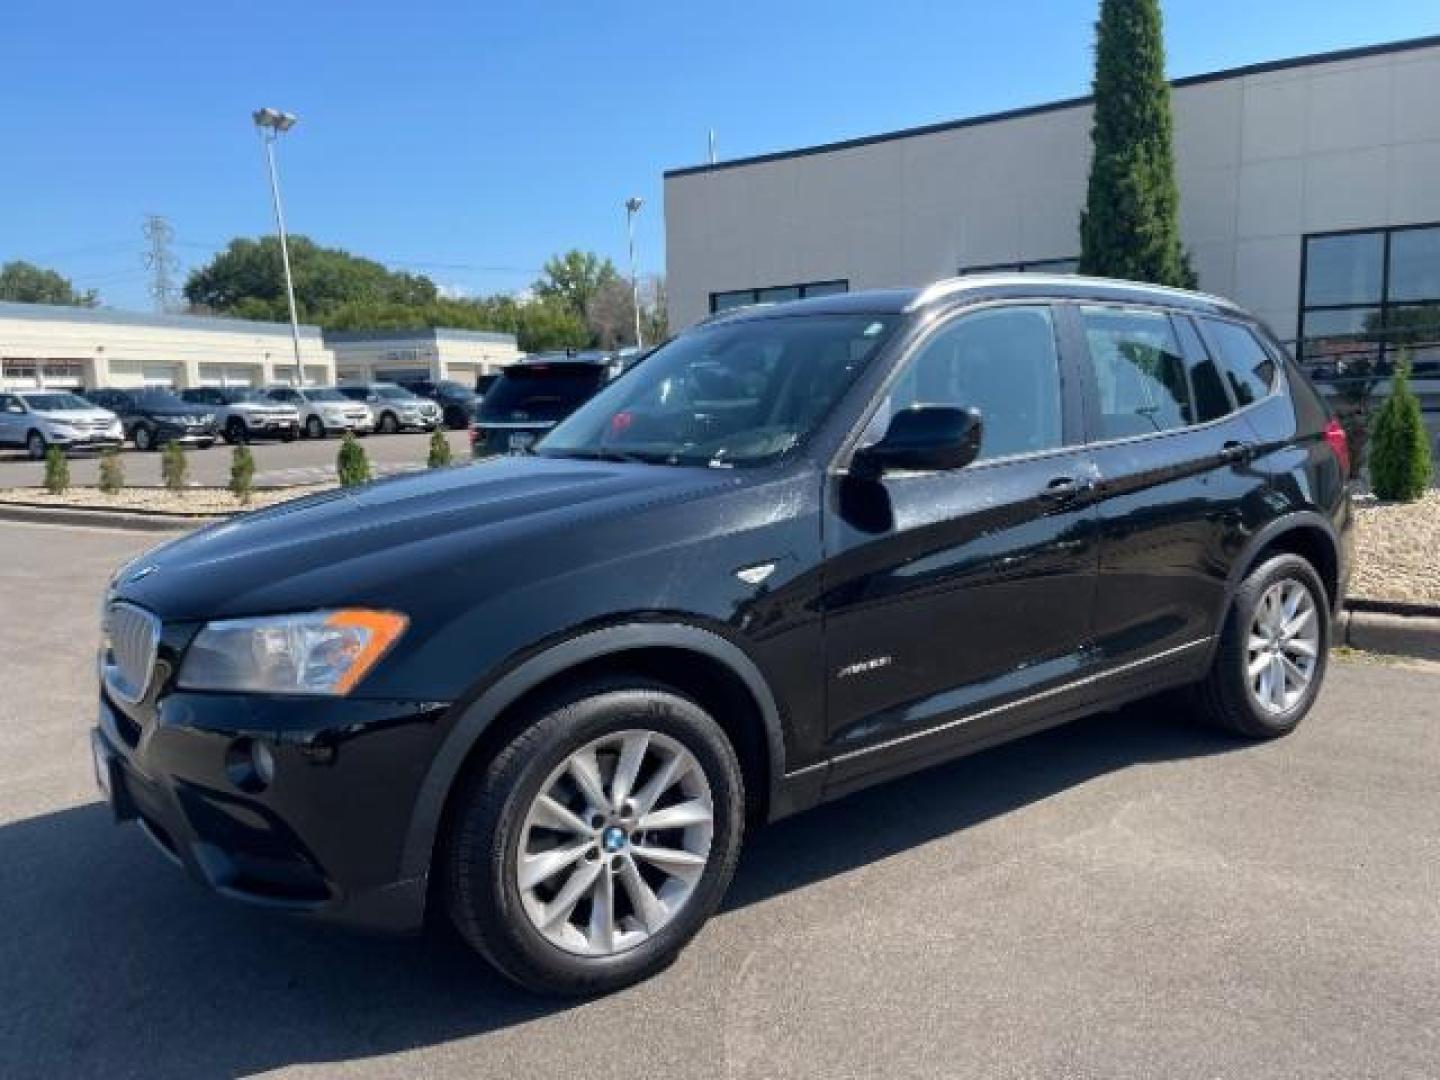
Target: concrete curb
(132, 520)
(1416, 636)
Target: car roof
(986, 286)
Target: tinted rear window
(541, 391)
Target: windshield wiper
(608, 453)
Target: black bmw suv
(800, 550)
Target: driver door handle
(1064, 489)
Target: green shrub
(1400, 465)
(242, 473)
(57, 471)
(351, 463)
(439, 450)
(174, 466)
(112, 472)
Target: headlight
(324, 652)
(116, 428)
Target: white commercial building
(1310, 194)
(85, 348)
(388, 355)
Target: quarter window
(1004, 363)
(1139, 373)
(1249, 369)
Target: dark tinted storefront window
(775, 294)
(1367, 298)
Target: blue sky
(470, 140)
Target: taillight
(1335, 437)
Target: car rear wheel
(144, 437)
(388, 424)
(35, 445)
(314, 428)
(588, 851)
(236, 432)
(1272, 655)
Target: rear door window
(1139, 381)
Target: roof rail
(948, 287)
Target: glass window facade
(775, 294)
(1368, 295)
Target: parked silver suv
(324, 410)
(39, 419)
(244, 414)
(394, 408)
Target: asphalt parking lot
(1130, 896)
(277, 464)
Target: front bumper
(323, 838)
(98, 441)
(186, 433)
(359, 425)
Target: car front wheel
(144, 437)
(35, 445)
(592, 847)
(314, 428)
(236, 431)
(1272, 655)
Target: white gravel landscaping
(196, 501)
(1397, 550)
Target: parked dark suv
(153, 417)
(458, 403)
(532, 396)
(801, 549)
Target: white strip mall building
(85, 348)
(391, 355)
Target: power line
(160, 261)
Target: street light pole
(632, 207)
(271, 124)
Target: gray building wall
(1265, 155)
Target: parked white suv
(394, 408)
(39, 419)
(324, 410)
(244, 414)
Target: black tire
(236, 431)
(205, 444)
(388, 425)
(1224, 698)
(144, 438)
(35, 446)
(455, 418)
(483, 896)
(314, 427)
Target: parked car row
(150, 417)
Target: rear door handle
(1235, 452)
(1064, 489)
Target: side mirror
(926, 438)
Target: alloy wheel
(615, 843)
(1283, 649)
(35, 446)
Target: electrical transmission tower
(160, 261)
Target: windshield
(239, 394)
(324, 395)
(448, 389)
(733, 393)
(393, 393)
(161, 399)
(56, 402)
(540, 391)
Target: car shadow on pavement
(114, 964)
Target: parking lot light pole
(271, 124)
(632, 207)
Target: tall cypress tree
(1130, 227)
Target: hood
(384, 544)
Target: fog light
(250, 764)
